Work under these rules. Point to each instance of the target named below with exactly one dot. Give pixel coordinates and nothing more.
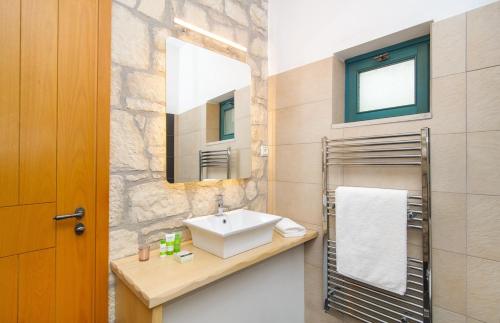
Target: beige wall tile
(402, 177)
(338, 90)
(448, 163)
(271, 197)
(313, 282)
(471, 320)
(414, 251)
(483, 99)
(449, 280)
(191, 120)
(440, 315)
(386, 128)
(483, 226)
(303, 124)
(271, 164)
(299, 163)
(305, 84)
(449, 221)
(313, 250)
(483, 154)
(448, 104)
(483, 28)
(299, 201)
(448, 46)
(483, 289)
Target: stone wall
(143, 205)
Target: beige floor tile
(303, 124)
(305, 84)
(448, 163)
(483, 154)
(448, 46)
(483, 99)
(449, 221)
(472, 320)
(448, 104)
(440, 315)
(483, 28)
(449, 280)
(483, 289)
(299, 201)
(299, 163)
(483, 226)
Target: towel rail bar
(410, 301)
(357, 299)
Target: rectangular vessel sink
(232, 233)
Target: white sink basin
(233, 233)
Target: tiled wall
(465, 164)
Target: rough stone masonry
(143, 205)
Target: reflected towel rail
(215, 159)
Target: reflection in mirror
(208, 114)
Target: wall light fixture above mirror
(208, 114)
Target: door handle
(79, 213)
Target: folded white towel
(371, 236)
(288, 228)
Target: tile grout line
(466, 175)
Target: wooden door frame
(102, 162)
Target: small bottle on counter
(163, 248)
(177, 241)
(170, 238)
(144, 252)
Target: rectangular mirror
(208, 114)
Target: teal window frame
(417, 49)
(225, 106)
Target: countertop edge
(253, 258)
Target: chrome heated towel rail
(362, 301)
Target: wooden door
(54, 134)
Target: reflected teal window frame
(417, 49)
(225, 106)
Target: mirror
(208, 114)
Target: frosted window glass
(387, 87)
(229, 122)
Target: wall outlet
(264, 150)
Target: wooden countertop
(160, 280)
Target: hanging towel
(371, 236)
(288, 228)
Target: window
(389, 82)
(227, 119)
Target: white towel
(288, 228)
(371, 236)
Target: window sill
(212, 143)
(413, 117)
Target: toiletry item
(177, 241)
(184, 256)
(163, 248)
(144, 253)
(170, 238)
